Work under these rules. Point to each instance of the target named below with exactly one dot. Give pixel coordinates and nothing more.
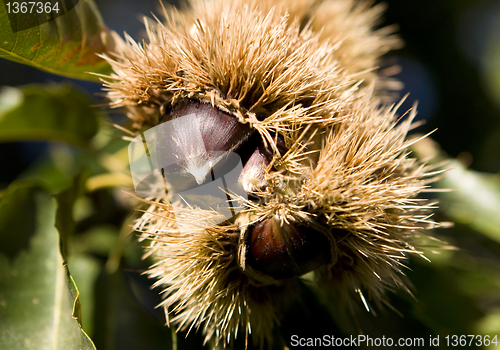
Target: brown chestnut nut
(195, 142)
(282, 250)
(220, 131)
(252, 177)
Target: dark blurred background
(451, 64)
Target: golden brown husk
(306, 70)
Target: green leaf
(39, 306)
(53, 113)
(475, 199)
(85, 269)
(122, 324)
(64, 222)
(66, 45)
(471, 198)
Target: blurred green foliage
(39, 301)
(66, 45)
(52, 113)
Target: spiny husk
(205, 286)
(251, 59)
(305, 71)
(362, 193)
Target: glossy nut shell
(283, 250)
